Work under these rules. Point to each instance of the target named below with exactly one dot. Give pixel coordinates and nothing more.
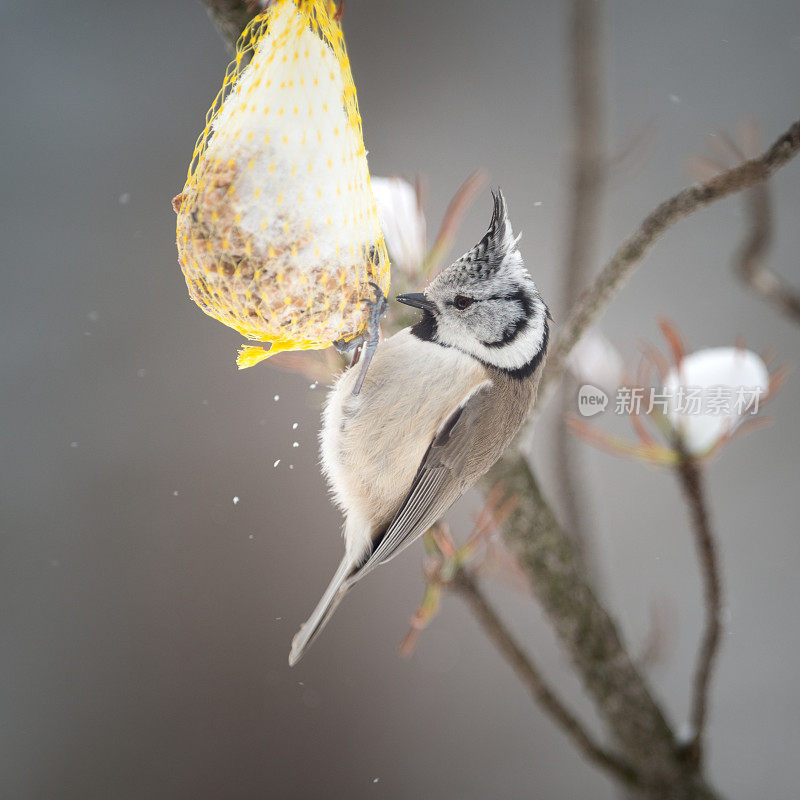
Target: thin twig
(529, 674)
(594, 301)
(660, 640)
(750, 259)
(588, 177)
(691, 479)
(453, 216)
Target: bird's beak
(416, 300)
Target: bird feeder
(278, 234)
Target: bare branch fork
(496, 631)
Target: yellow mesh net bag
(278, 232)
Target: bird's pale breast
(372, 444)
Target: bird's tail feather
(322, 613)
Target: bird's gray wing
(450, 466)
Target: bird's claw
(378, 305)
(343, 346)
(371, 336)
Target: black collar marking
(526, 370)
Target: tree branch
(692, 484)
(587, 632)
(588, 177)
(530, 676)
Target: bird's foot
(371, 336)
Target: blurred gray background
(146, 617)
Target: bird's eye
(461, 302)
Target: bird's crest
(498, 242)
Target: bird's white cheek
(450, 332)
